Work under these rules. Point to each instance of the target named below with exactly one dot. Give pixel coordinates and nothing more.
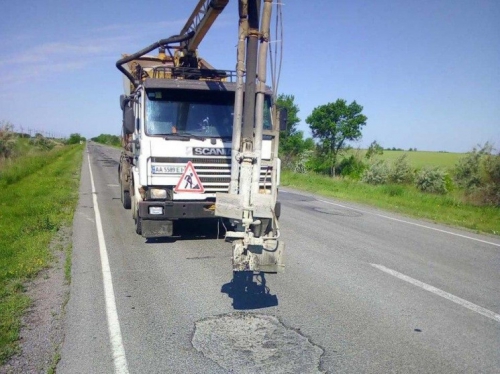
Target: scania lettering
(212, 151)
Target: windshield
(197, 113)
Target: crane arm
(200, 21)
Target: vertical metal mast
(255, 241)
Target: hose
(160, 43)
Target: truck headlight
(157, 193)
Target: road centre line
(409, 223)
(466, 304)
(115, 335)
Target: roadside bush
(300, 166)
(488, 192)
(42, 143)
(431, 180)
(319, 164)
(377, 173)
(401, 171)
(352, 167)
(468, 168)
(478, 174)
(8, 139)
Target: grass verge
(38, 194)
(67, 263)
(446, 209)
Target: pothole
(253, 343)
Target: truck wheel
(126, 200)
(138, 225)
(125, 197)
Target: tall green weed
(8, 140)
(478, 173)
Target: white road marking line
(410, 223)
(435, 229)
(476, 308)
(115, 335)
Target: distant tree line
(107, 139)
(75, 138)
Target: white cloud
(66, 56)
(58, 57)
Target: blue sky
(426, 72)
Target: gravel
(42, 330)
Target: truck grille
(214, 172)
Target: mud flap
(156, 228)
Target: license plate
(167, 169)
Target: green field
(420, 159)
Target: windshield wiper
(183, 136)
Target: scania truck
(186, 153)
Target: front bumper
(177, 210)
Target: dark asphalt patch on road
(253, 343)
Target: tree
(334, 124)
(287, 102)
(75, 138)
(292, 142)
(374, 149)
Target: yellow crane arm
(200, 21)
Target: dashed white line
(466, 304)
(115, 335)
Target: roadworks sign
(189, 181)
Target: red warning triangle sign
(189, 181)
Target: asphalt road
(364, 291)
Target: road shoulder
(42, 331)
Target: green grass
(421, 159)
(38, 194)
(53, 364)
(67, 263)
(447, 209)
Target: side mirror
(283, 119)
(128, 120)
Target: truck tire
(125, 198)
(125, 195)
(138, 225)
